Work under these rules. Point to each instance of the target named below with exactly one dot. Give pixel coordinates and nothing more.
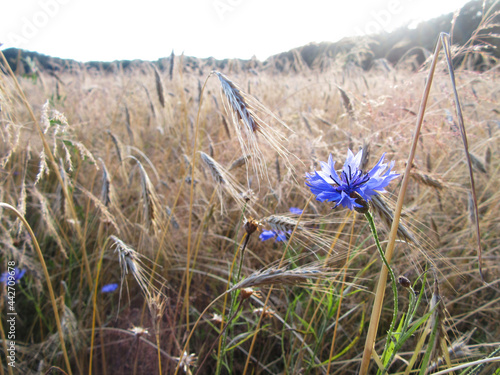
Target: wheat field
(148, 193)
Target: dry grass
(120, 150)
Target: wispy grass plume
(131, 262)
(223, 180)
(159, 87)
(251, 118)
(285, 276)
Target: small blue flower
(268, 234)
(352, 183)
(296, 211)
(18, 274)
(280, 236)
(108, 288)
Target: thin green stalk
(236, 313)
(259, 322)
(348, 260)
(242, 255)
(184, 350)
(234, 303)
(225, 294)
(371, 222)
(314, 289)
(401, 335)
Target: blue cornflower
(296, 211)
(353, 188)
(108, 288)
(18, 274)
(268, 234)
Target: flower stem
(234, 301)
(371, 222)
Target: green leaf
(388, 354)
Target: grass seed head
(237, 103)
(284, 276)
(159, 87)
(248, 116)
(130, 261)
(281, 223)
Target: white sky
(149, 29)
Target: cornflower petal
(18, 274)
(352, 183)
(108, 288)
(267, 235)
(281, 236)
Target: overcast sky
(149, 29)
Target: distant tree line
(473, 31)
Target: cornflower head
(109, 288)
(14, 275)
(296, 210)
(278, 235)
(352, 188)
(248, 120)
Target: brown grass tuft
(151, 213)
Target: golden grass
(108, 164)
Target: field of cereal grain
(178, 235)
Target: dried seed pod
(246, 293)
(251, 226)
(404, 281)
